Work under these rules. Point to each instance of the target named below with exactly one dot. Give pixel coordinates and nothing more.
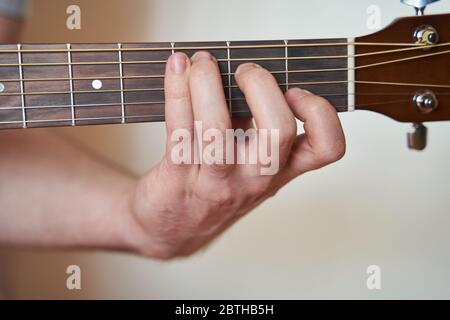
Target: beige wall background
(382, 204)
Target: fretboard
(79, 84)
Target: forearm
(55, 194)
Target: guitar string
(355, 68)
(111, 104)
(37, 64)
(143, 103)
(212, 47)
(226, 74)
(227, 87)
(160, 116)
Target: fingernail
(300, 90)
(178, 63)
(246, 67)
(201, 55)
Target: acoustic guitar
(402, 71)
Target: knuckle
(309, 101)
(226, 198)
(177, 94)
(332, 153)
(215, 126)
(295, 94)
(313, 102)
(339, 150)
(168, 163)
(219, 170)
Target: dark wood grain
(46, 109)
(91, 107)
(336, 93)
(49, 102)
(145, 106)
(10, 106)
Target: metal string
(130, 104)
(328, 82)
(35, 64)
(159, 116)
(262, 46)
(226, 87)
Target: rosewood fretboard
(79, 84)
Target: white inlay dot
(97, 84)
(2, 87)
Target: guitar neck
(79, 84)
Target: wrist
(148, 231)
(132, 236)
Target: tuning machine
(425, 101)
(419, 5)
(426, 35)
(417, 140)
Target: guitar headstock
(403, 71)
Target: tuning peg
(419, 5)
(417, 140)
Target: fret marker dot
(2, 87)
(97, 84)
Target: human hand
(178, 208)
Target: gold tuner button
(426, 35)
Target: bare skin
(55, 194)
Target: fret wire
(72, 103)
(22, 91)
(294, 45)
(286, 55)
(172, 45)
(230, 107)
(351, 76)
(122, 100)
